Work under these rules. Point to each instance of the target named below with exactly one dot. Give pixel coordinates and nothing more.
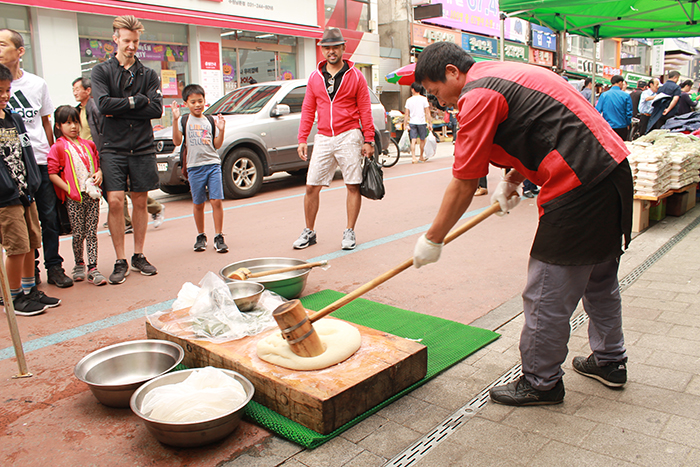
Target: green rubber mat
(448, 343)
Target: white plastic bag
(430, 145)
(206, 393)
(405, 142)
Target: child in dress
(74, 169)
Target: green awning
(600, 19)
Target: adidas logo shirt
(29, 98)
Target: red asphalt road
(54, 417)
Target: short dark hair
(688, 82)
(673, 74)
(588, 80)
(642, 84)
(616, 79)
(417, 87)
(5, 73)
(63, 114)
(15, 37)
(192, 89)
(434, 58)
(84, 82)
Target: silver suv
(262, 122)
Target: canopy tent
(603, 19)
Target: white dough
(339, 338)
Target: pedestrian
(128, 94)
(74, 169)
(418, 118)
(30, 99)
(587, 89)
(201, 164)
(527, 118)
(20, 233)
(616, 107)
(685, 103)
(91, 120)
(645, 101)
(636, 95)
(666, 106)
(337, 92)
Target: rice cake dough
(339, 338)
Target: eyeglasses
(331, 82)
(130, 81)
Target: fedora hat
(331, 36)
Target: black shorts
(129, 173)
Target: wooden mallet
(296, 325)
(242, 274)
(12, 320)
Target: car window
(246, 100)
(373, 99)
(294, 99)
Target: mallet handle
(12, 319)
(495, 207)
(288, 268)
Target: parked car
(262, 122)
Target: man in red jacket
(338, 92)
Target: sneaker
(306, 239)
(79, 272)
(158, 218)
(121, 270)
(219, 244)
(613, 375)
(129, 229)
(520, 393)
(57, 277)
(348, 242)
(25, 306)
(528, 194)
(201, 243)
(95, 277)
(141, 264)
(39, 296)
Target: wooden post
(12, 319)
(297, 330)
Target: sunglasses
(130, 81)
(331, 82)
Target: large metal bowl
(190, 434)
(246, 294)
(113, 373)
(287, 284)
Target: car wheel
(174, 189)
(242, 173)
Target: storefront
(544, 45)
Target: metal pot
(113, 373)
(287, 284)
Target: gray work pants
(550, 298)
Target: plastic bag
(213, 315)
(206, 393)
(405, 142)
(372, 186)
(430, 145)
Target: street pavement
(654, 420)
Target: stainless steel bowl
(246, 294)
(190, 434)
(288, 284)
(113, 373)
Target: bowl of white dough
(193, 407)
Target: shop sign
(283, 11)
(516, 30)
(541, 57)
(211, 73)
(633, 78)
(156, 52)
(423, 36)
(610, 71)
(479, 16)
(657, 57)
(543, 38)
(168, 82)
(583, 65)
(479, 45)
(516, 52)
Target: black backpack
(183, 127)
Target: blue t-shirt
(616, 107)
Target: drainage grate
(420, 448)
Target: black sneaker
(613, 375)
(25, 306)
(306, 239)
(201, 243)
(121, 270)
(37, 276)
(39, 296)
(520, 393)
(528, 194)
(141, 264)
(219, 244)
(57, 277)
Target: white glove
(503, 193)
(426, 252)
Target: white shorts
(329, 152)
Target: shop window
(347, 14)
(250, 58)
(17, 18)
